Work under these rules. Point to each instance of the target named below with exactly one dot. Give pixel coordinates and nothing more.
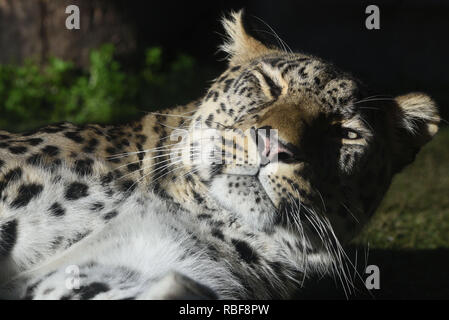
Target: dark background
(409, 52)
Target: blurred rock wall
(36, 28)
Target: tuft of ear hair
(239, 45)
(418, 109)
(417, 122)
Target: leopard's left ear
(416, 122)
(239, 45)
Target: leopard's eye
(350, 134)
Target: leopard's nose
(270, 148)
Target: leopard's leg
(84, 282)
(99, 282)
(44, 212)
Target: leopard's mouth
(245, 198)
(266, 215)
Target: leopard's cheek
(286, 183)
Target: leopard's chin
(245, 197)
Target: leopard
(244, 193)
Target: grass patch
(415, 212)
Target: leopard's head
(286, 139)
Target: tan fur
(241, 47)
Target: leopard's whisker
(171, 115)
(367, 124)
(281, 42)
(297, 221)
(372, 100)
(152, 172)
(127, 154)
(149, 166)
(333, 251)
(347, 209)
(159, 177)
(342, 251)
(145, 159)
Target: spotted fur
(146, 211)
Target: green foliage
(31, 95)
(172, 84)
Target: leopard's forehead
(288, 76)
(315, 76)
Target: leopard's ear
(416, 121)
(239, 45)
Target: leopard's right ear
(416, 121)
(239, 45)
